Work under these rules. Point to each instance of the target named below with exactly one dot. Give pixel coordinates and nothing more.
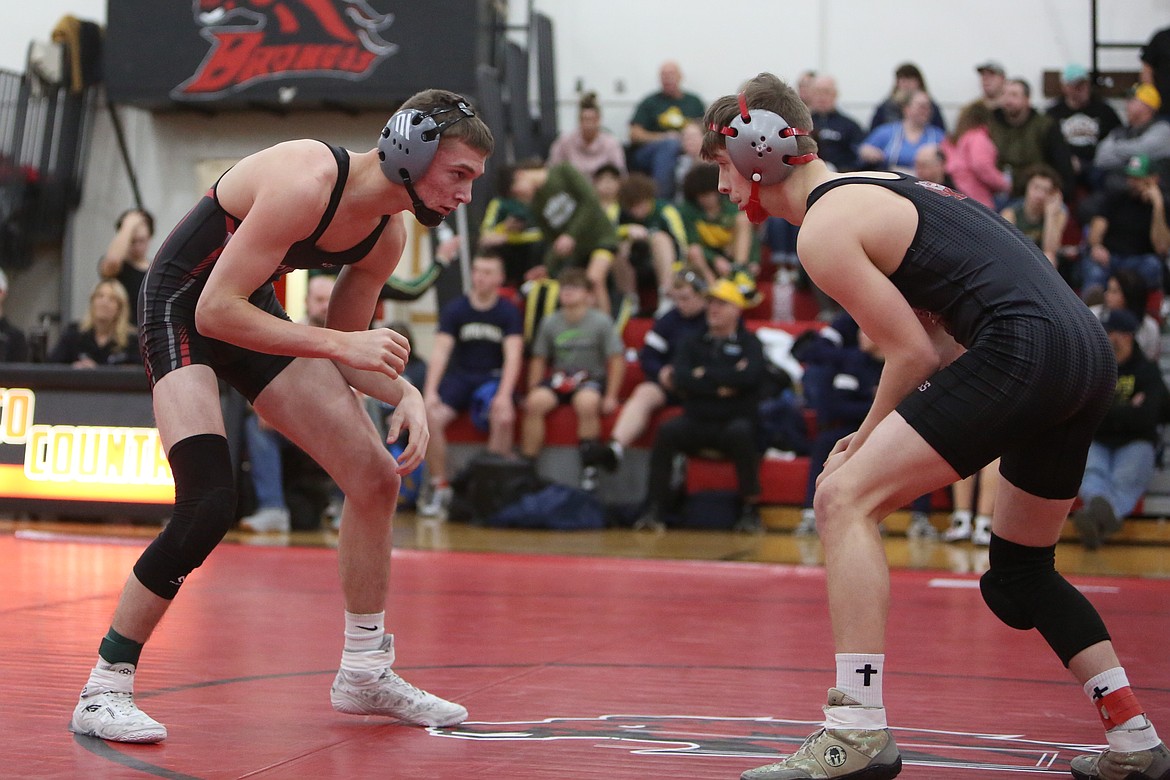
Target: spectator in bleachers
(1122, 455)
(126, 259)
(804, 85)
(657, 390)
(971, 157)
(908, 79)
(652, 237)
(1144, 133)
(717, 374)
(105, 335)
(508, 228)
(1025, 137)
(1128, 229)
(892, 145)
(577, 233)
(1127, 290)
(578, 359)
(1085, 119)
(1040, 213)
(475, 359)
(13, 342)
(589, 146)
(656, 126)
(992, 77)
(690, 154)
(838, 136)
(1155, 56)
(720, 238)
(930, 165)
(607, 183)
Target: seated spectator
(477, 352)
(589, 146)
(577, 233)
(651, 235)
(892, 146)
(656, 125)
(1128, 229)
(1025, 137)
(269, 451)
(1085, 119)
(578, 359)
(1121, 458)
(1144, 133)
(838, 136)
(126, 259)
(105, 336)
(607, 183)
(930, 165)
(508, 228)
(908, 79)
(992, 78)
(13, 342)
(1126, 290)
(690, 154)
(720, 238)
(971, 157)
(717, 374)
(1040, 213)
(657, 390)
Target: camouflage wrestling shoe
(858, 754)
(1152, 764)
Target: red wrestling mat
(571, 668)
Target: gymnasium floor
(594, 655)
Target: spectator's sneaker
(435, 504)
(107, 710)
(366, 685)
(808, 524)
(920, 527)
(1094, 521)
(749, 521)
(1152, 764)
(608, 458)
(589, 479)
(861, 754)
(981, 536)
(650, 520)
(273, 520)
(332, 514)
(959, 530)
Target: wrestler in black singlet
(179, 272)
(1039, 372)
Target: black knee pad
(205, 508)
(1023, 589)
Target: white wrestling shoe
(366, 685)
(107, 710)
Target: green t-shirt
(659, 113)
(716, 235)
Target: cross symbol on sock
(1099, 692)
(867, 671)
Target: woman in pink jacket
(971, 156)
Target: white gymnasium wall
(613, 47)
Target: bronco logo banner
(350, 54)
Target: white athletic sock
(859, 676)
(364, 632)
(1136, 732)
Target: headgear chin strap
(408, 145)
(763, 148)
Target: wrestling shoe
(1152, 764)
(271, 520)
(860, 754)
(107, 710)
(366, 685)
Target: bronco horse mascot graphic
(265, 40)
